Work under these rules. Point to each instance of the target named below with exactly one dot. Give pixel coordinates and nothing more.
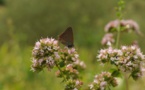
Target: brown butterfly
(66, 38)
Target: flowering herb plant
(127, 59)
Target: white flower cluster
(71, 67)
(44, 54)
(127, 59)
(103, 81)
(70, 63)
(73, 85)
(47, 53)
(71, 58)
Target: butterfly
(66, 38)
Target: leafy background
(23, 22)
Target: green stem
(60, 71)
(126, 81)
(118, 36)
(120, 16)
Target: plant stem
(60, 71)
(126, 81)
(120, 16)
(118, 36)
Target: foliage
(29, 20)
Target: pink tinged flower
(74, 59)
(40, 61)
(69, 68)
(57, 73)
(102, 51)
(129, 63)
(112, 58)
(96, 81)
(104, 56)
(124, 48)
(77, 62)
(34, 52)
(96, 76)
(135, 43)
(133, 47)
(103, 84)
(35, 62)
(52, 39)
(91, 86)
(49, 48)
(107, 39)
(115, 51)
(71, 50)
(120, 53)
(37, 45)
(55, 47)
(50, 58)
(82, 64)
(108, 43)
(79, 83)
(135, 57)
(56, 55)
(128, 57)
(110, 51)
(50, 62)
(47, 40)
(76, 55)
(102, 88)
(75, 89)
(140, 54)
(132, 25)
(142, 57)
(143, 69)
(99, 56)
(55, 42)
(111, 25)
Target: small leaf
(116, 73)
(134, 74)
(61, 64)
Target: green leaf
(134, 74)
(61, 64)
(116, 73)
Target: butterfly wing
(66, 37)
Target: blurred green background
(23, 22)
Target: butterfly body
(66, 38)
